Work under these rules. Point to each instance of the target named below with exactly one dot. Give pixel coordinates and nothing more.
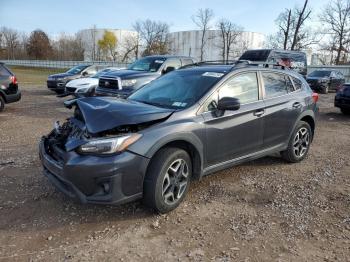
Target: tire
(2, 103)
(325, 90)
(298, 147)
(161, 179)
(345, 111)
(59, 92)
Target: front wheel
(299, 143)
(167, 179)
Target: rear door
(282, 107)
(232, 134)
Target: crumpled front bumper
(113, 179)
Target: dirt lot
(266, 210)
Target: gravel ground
(265, 210)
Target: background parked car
(9, 91)
(342, 99)
(122, 83)
(58, 82)
(81, 85)
(325, 80)
(293, 59)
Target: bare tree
(68, 47)
(300, 16)
(130, 48)
(292, 29)
(154, 35)
(10, 41)
(38, 45)
(336, 17)
(229, 32)
(202, 19)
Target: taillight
(13, 80)
(315, 97)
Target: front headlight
(108, 145)
(128, 82)
(82, 90)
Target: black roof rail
(262, 64)
(238, 63)
(211, 62)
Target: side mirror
(85, 73)
(168, 69)
(228, 103)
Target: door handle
(259, 112)
(297, 105)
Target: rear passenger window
(244, 87)
(186, 61)
(275, 84)
(3, 71)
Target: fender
(308, 112)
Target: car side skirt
(223, 165)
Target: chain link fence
(60, 64)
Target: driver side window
(243, 86)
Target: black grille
(51, 83)
(70, 89)
(312, 82)
(108, 83)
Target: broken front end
(87, 157)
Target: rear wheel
(2, 103)
(299, 143)
(345, 111)
(167, 179)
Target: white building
(91, 36)
(188, 43)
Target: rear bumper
(342, 102)
(99, 180)
(13, 97)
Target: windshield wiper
(151, 103)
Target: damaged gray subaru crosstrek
(180, 127)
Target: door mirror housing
(228, 103)
(168, 69)
(85, 73)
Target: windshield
(178, 89)
(102, 72)
(76, 70)
(148, 64)
(320, 73)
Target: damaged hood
(105, 113)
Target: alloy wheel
(175, 181)
(301, 142)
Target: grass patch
(34, 75)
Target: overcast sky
(56, 16)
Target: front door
(233, 134)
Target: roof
(168, 56)
(278, 50)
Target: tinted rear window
(4, 71)
(320, 73)
(255, 55)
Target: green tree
(108, 44)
